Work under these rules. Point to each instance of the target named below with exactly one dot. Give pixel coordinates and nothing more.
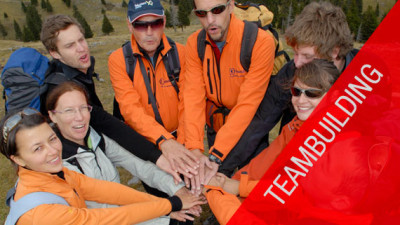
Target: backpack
(251, 14)
(28, 202)
(23, 79)
(172, 66)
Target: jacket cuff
(176, 203)
(217, 153)
(194, 145)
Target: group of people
(167, 93)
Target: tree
(103, 2)
(67, 3)
(5, 15)
(43, 4)
(18, 32)
(377, 10)
(124, 5)
(107, 26)
(27, 35)
(23, 7)
(370, 23)
(34, 22)
(168, 18)
(83, 22)
(183, 13)
(3, 30)
(34, 2)
(49, 7)
(174, 16)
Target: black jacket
(101, 120)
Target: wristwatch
(215, 159)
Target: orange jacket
(259, 165)
(133, 98)
(75, 189)
(227, 84)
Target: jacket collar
(71, 72)
(162, 49)
(70, 148)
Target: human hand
(218, 180)
(180, 158)
(164, 164)
(186, 214)
(188, 201)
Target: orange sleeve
(194, 97)
(129, 100)
(136, 206)
(222, 204)
(181, 85)
(252, 91)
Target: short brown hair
(319, 73)
(324, 26)
(54, 95)
(51, 28)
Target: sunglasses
(144, 25)
(310, 93)
(14, 120)
(216, 10)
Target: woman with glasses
(309, 86)
(30, 143)
(94, 154)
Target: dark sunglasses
(310, 93)
(14, 120)
(216, 10)
(143, 25)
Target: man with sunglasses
(219, 83)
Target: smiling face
(39, 149)
(73, 126)
(149, 39)
(216, 25)
(302, 104)
(72, 49)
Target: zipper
(209, 77)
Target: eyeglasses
(143, 25)
(216, 10)
(310, 93)
(69, 112)
(14, 120)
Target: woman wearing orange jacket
(30, 143)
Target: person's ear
(52, 116)
(18, 160)
(335, 53)
(55, 54)
(130, 27)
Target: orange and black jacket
(133, 97)
(221, 79)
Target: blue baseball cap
(139, 8)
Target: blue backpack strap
(30, 201)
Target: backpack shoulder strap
(201, 44)
(172, 64)
(130, 59)
(248, 40)
(28, 202)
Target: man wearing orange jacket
(150, 101)
(220, 83)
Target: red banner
(343, 165)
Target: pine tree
(377, 10)
(103, 2)
(34, 2)
(107, 26)
(370, 23)
(103, 11)
(34, 22)
(49, 7)
(168, 18)
(18, 32)
(183, 14)
(27, 35)
(43, 4)
(3, 30)
(67, 3)
(5, 15)
(124, 4)
(23, 7)
(83, 22)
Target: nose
(78, 115)
(210, 18)
(299, 61)
(53, 148)
(80, 47)
(302, 98)
(149, 31)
